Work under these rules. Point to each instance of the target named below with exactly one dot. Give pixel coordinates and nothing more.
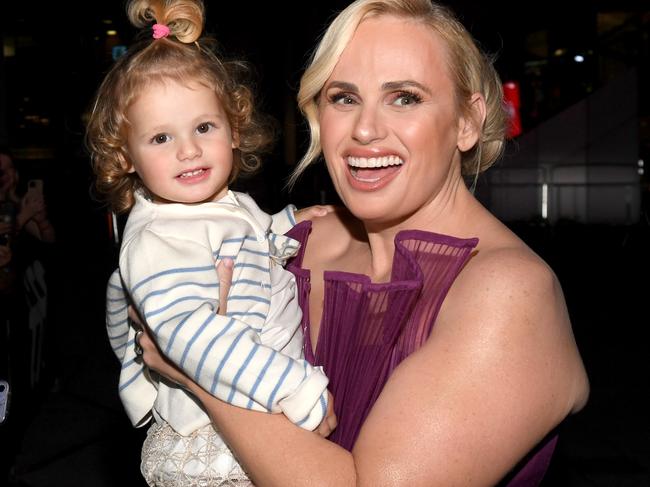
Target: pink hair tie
(160, 31)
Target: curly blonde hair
(184, 56)
(470, 69)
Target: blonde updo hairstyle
(471, 72)
(185, 57)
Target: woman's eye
(204, 127)
(342, 99)
(405, 99)
(160, 138)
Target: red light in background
(512, 101)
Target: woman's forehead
(393, 48)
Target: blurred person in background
(26, 238)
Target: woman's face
(8, 176)
(389, 122)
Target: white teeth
(374, 162)
(189, 174)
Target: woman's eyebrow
(401, 84)
(342, 85)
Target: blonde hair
(184, 56)
(471, 72)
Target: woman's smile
(373, 173)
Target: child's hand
(330, 422)
(312, 212)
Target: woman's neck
(447, 213)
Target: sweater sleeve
(284, 220)
(282, 331)
(136, 390)
(174, 285)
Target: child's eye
(160, 138)
(406, 98)
(204, 127)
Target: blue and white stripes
(251, 357)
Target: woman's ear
(471, 123)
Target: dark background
(68, 428)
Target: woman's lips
(372, 173)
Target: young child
(170, 129)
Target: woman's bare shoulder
(505, 260)
(505, 274)
(334, 233)
(509, 299)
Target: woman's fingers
(134, 317)
(224, 271)
(153, 357)
(330, 422)
(327, 426)
(312, 212)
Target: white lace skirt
(199, 460)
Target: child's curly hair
(184, 56)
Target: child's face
(180, 143)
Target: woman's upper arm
(498, 372)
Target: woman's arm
(272, 450)
(498, 372)
(33, 218)
(44, 230)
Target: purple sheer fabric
(367, 329)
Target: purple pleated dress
(368, 328)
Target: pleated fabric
(368, 328)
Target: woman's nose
(369, 126)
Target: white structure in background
(581, 165)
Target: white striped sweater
(252, 357)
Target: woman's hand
(154, 358)
(151, 354)
(31, 205)
(312, 212)
(329, 422)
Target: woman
(27, 212)
(483, 365)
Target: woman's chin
(376, 215)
